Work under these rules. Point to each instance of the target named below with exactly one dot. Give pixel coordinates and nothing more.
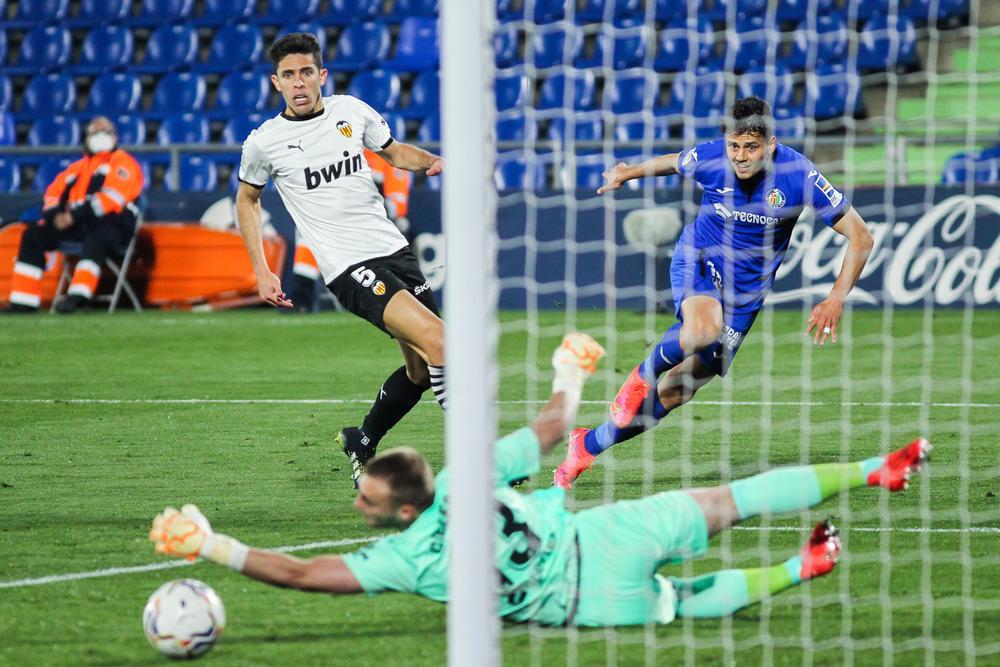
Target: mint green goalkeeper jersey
(537, 554)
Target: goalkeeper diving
(597, 567)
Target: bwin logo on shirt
(349, 165)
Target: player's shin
(723, 593)
(667, 354)
(396, 397)
(437, 385)
(608, 434)
(795, 488)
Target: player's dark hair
(408, 474)
(296, 42)
(751, 115)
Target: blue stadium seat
(637, 129)
(585, 127)
(312, 27)
(54, 130)
(94, 12)
(416, 46)
(920, 10)
(234, 46)
(279, 12)
(430, 130)
(776, 85)
(631, 91)
(178, 92)
(114, 93)
(667, 11)
(750, 44)
(403, 9)
(425, 96)
(886, 42)
(45, 48)
(704, 124)
(511, 90)
(677, 48)
(869, 8)
(832, 91)
(197, 173)
(3, 46)
(789, 124)
(105, 47)
(362, 46)
(600, 11)
(170, 47)
(581, 88)
(516, 126)
(183, 128)
(963, 167)
(47, 94)
(6, 93)
(627, 46)
(589, 172)
(703, 90)
(379, 89)
(397, 125)
(48, 170)
(792, 10)
(157, 12)
(506, 51)
(745, 9)
(219, 12)
(343, 12)
(131, 129)
(8, 133)
(829, 43)
(30, 13)
(519, 171)
(238, 128)
(246, 91)
(10, 175)
(552, 41)
(510, 10)
(547, 11)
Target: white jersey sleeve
(376, 134)
(255, 168)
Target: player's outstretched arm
(621, 173)
(826, 315)
(574, 361)
(412, 158)
(187, 533)
(249, 218)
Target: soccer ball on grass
(183, 618)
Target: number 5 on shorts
(364, 276)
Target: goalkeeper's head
(395, 489)
(750, 141)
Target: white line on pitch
(114, 571)
(343, 401)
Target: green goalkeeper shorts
(621, 547)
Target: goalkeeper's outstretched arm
(663, 165)
(574, 361)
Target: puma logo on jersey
(349, 165)
(298, 145)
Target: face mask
(99, 142)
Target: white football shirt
(324, 181)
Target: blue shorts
(692, 275)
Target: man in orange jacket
(92, 202)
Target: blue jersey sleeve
(516, 456)
(829, 203)
(381, 566)
(687, 162)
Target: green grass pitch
(105, 420)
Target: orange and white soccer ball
(183, 618)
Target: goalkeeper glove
(188, 534)
(574, 361)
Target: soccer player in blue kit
(723, 267)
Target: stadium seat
(48, 170)
(585, 127)
(45, 48)
(312, 27)
(362, 46)
(676, 47)
(196, 173)
(403, 9)
(964, 167)
(627, 46)
(31, 13)
(548, 11)
(510, 10)
(519, 171)
(703, 124)
(601, 11)
(179, 92)
(219, 12)
(170, 47)
(54, 130)
(238, 128)
(105, 47)
(379, 89)
(183, 128)
(556, 43)
(131, 129)
(631, 91)
(516, 126)
(430, 130)
(589, 172)
(246, 91)
(638, 129)
(95, 12)
(703, 90)
(920, 10)
(581, 87)
(8, 133)
(744, 9)
(114, 93)
(425, 96)
(829, 42)
(506, 48)
(158, 12)
(10, 175)
(6, 93)
(234, 46)
(886, 42)
(667, 11)
(397, 125)
(776, 85)
(749, 45)
(832, 92)
(789, 124)
(280, 12)
(48, 94)
(511, 90)
(3, 43)
(792, 10)
(416, 46)
(344, 12)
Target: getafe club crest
(775, 198)
(344, 128)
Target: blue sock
(607, 434)
(665, 355)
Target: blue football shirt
(743, 228)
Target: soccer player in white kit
(313, 152)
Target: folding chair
(118, 269)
